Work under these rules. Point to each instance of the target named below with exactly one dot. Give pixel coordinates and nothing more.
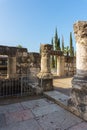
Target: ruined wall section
(34, 65)
(35, 60)
(22, 62)
(17, 60)
(69, 66)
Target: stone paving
(40, 114)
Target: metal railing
(9, 87)
(18, 86)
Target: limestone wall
(35, 60)
(34, 65)
(22, 62)
(66, 66)
(69, 66)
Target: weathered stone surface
(11, 108)
(35, 103)
(24, 125)
(41, 111)
(46, 84)
(79, 83)
(57, 97)
(45, 76)
(2, 120)
(60, 65)
(80, 126)
(59, 120)
(47, 116)
(22, 63)
(80, 31)
(11, 51)
(18, 116)
(69, 66)
(45, 60)
(35, 60)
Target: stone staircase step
(62, 100)
(57, 97)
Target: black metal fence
(17, 86)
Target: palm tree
(66, 51)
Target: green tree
(56, 45)
(56, 41)
(52, 43)
(40, 49)
(19, 46)
(52, 57)
(73, 51)
(59, 48)
(71, 46)
(62, 43)
(66, 52)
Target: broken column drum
(45, 76)
(79, 82)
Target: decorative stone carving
(78, 99)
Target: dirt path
(63, 85)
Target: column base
(45, 81)
(78, 100)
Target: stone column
(45, 76)
(11, 67)
(60, 65)
(79, 82)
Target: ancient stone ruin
(45, 76)
(18, 71)
(78, 100)
(30, 72)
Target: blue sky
(31, 22)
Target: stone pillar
(45, 76)
(60, 65)
(11, 67)
(79, 83)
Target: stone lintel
(58, 53)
